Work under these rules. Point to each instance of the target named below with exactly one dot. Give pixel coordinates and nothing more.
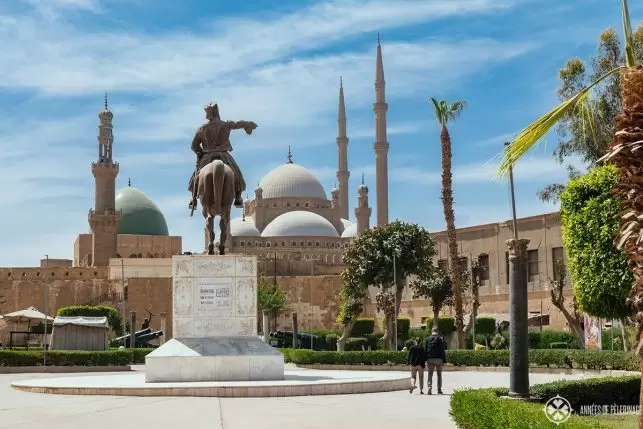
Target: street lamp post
(518, 307)
(395, 300)
(46, 285)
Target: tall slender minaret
(362, 211)
(342, 151)
(380, 108)
(104, 220)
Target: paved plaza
(375, 411)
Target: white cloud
(531, 169)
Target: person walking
(435, 352)
(416, 360)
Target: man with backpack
(435, 352)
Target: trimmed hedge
(363, 326)
(112, 357)
(485, 325)
(484, 409)
(556, 358)
(446, 324)
(114, 318)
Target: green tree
(623, 152)
(434, 285)
(574, 138)
(368, 261)
(590, 219)
(444, 113)
(270, 298)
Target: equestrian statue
(217, 180)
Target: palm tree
(625, 152)
(445, 112)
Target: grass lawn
(622, 421)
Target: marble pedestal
(214, 325)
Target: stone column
(518, 319)
(163, 325)
(132, 329)
(266, 326)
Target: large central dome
(291, 181)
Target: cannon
(125, 339)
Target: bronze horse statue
(215, 190)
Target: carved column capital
(517, 247)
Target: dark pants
(434, 364)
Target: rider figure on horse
(212, 141)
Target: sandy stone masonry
(214, 296)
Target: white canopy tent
(28, 315)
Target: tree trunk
(387, 338)
(341, 341)
(452, 243)
(572, 321)
(436, 317)
(624, 153)
(623, 339)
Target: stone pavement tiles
(375, 411)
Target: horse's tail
(218, 180)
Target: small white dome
(350, 231)
(291, 180)
(240, 227)
(345, 224)
(300, 224)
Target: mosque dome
(345, 224)
(139, 214)
(300, 224)
(240, 227)
(350, 231)
(291, 180)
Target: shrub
(73, 358)
(544, 339)
(403, 327)
(114, 318)
(331, 340)
(485, 325)
(363, 326)
(592, 391)
(499, 342)
(558, 345)
(446, 324)
(356, 344)
(419, 332)
(556, 358)
(373, 341)
(484, 409)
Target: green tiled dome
(139, 214)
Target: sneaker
(428, 392)
(440, 392)
(421, 392)
(412, 389)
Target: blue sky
(280, 65)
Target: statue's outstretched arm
(241, 125)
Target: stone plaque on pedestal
(215, 324)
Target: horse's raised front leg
(223, 226)
(209, 224)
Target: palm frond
(630, 58)
(532, 134)
(437, 109)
